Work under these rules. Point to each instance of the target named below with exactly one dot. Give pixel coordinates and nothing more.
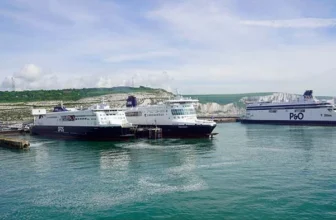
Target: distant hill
(16, 106)
(224, 99)
(234, 104)
(68, 94)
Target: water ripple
(246, 172)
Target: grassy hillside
(67, 94)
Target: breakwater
(14, 143)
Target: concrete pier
(14, 143)
(154, 133)
(150, 133)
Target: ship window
(134, 114)
(272, 110)
(68, 118)
(183, 111)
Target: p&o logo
(293, 116)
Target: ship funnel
(131, 101)
(308, 94)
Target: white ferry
(306, 110)
(99, 122)
(176, 117)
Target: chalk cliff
(22, 111)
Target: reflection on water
(289, 138)
(114, 160)
(42, 160)
(145, 168)
(127, 171)
(271, 135)
(114, 165)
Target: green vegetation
(68, 94)
(224, 99)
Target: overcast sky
(195, 46)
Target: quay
(14, 128)
(13, 132)
(14, 143)
(148, 132)
(221, 119)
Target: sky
(193, 46)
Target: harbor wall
(14, 143)
(220, 119)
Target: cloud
(205, 46)
(139, 56)
(32, 77)
(7, 83)
(51, 15)
(234, 55)
(140, 78)
(293, 23)
(29, 72)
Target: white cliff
(275, 97)
(22, 111)
(214, 109)
(238, 108)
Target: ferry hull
(81, 132)
(184, 131)
(289, 122)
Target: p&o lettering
(60, 129)
(293, 116)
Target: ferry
(306, 110)
(98, 122)
(176, 117)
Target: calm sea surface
(246, 172)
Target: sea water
(245, 172)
